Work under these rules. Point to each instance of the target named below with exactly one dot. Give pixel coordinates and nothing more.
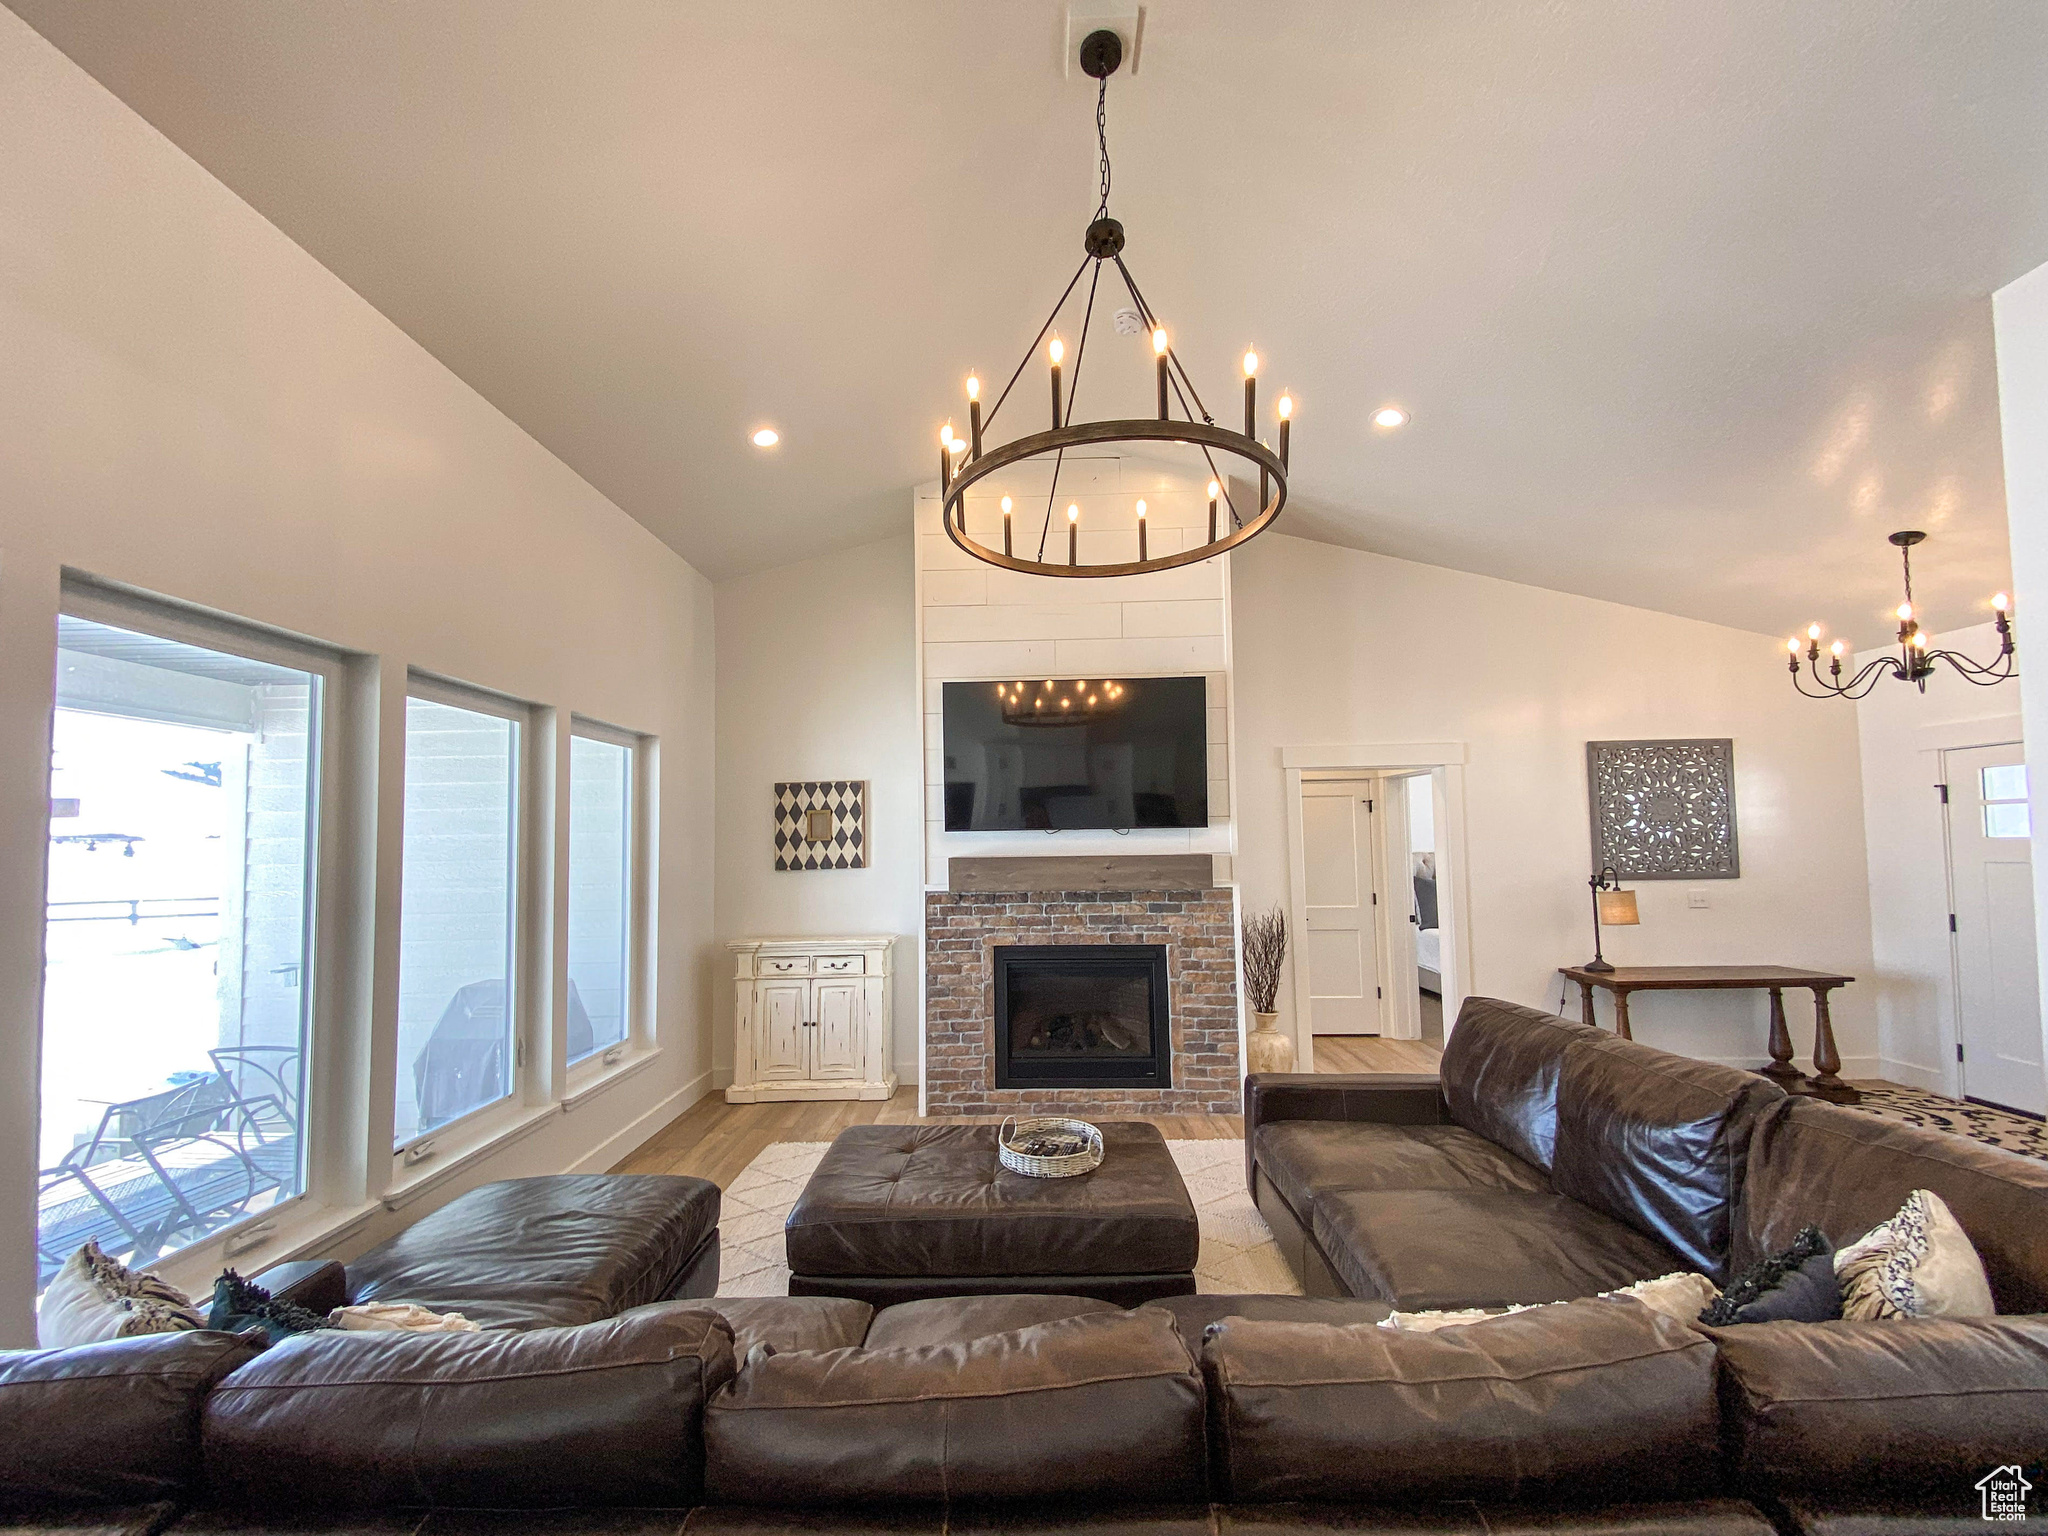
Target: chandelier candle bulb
(1285, 406)
(974, 414)
(1006, 525)
(1214, 491)
(1056, 350)
(1141, 528)
(1073, 534)
(1159, 366)
(1251, 394)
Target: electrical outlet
(1696, 900)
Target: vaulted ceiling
(1690, 301)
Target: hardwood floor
(1369, 1053)
(715, 1140)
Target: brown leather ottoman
(902, 1213)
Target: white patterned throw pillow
(94, 1298)
(1918, 1264)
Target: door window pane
(2006, 783)
(176, 963)
(600, 896)
(456, 919)
(2007, 820)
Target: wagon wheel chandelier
(1915, 662)
(963, 461)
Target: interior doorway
(1991, 926)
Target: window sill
(301, 1232)
(590, 1087)
(446, 1165)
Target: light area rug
(1238, 1256)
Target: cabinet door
(779, 1033)
(836, 1041)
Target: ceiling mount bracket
(1101, 52)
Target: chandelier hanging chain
(1915, 661)
(1074, 389)
(1182, 419)
(1102, 141)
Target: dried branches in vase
(1263, 950)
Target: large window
(457, 1024)
(600, 891)
(175, 1017)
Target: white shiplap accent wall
(980, 623)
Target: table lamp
(1613, 907)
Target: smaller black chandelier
(1915, 662)
(962, 461)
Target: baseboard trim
(614, 1147)
(1929, 1079)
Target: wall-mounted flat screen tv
(1064, 754)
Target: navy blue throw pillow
(1796, 1286)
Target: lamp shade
(1618, 909)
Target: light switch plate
(1696, 899)
(1126, 20)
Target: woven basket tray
(1017, 1134)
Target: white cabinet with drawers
(814, 1020)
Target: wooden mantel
(1087, 872)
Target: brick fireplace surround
(962, 929)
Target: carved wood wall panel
(1664, 810)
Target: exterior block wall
(1199, 930)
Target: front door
(1992, 878)
(1340, 947)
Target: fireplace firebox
(1082, 1016)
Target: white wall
(2019, 313)
(1902, 733)
(1337, 646)
(817, 679)
(197, 408)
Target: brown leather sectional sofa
(1183, 1416)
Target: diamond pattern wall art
(1664, 810)
(821, 825)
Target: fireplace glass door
(1082, 1016)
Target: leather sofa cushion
(959, 1319)
(785, 1323)
(1428, 1248)
(1309, 1158)
(1657, 1141)
(1093, 1407)
(548, 1252)
(1697, 1517)
(1845, 1172)
(113, 1423)
(933, 1200)
(1196, 1313)
(1841, 1407)
(609, 1413)
(1500, 1074)
(1955, 1513)
(1595, 1399)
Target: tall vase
(1265, 1048)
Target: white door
(780, 1043)
(1991, 876)
(1340, 949)
(835, 1029)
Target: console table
(1774, 979)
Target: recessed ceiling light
(767, 437)
(1390, 416)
